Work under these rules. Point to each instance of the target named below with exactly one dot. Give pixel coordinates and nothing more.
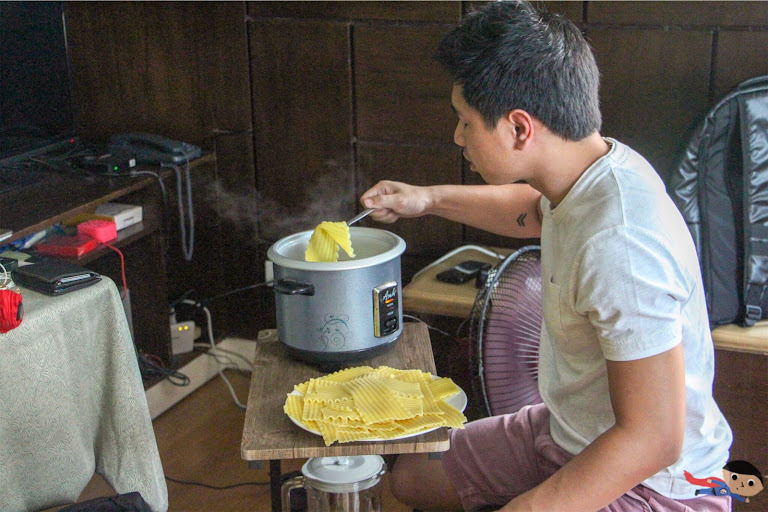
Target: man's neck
(563, 162)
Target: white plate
(459, 401)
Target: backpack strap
(753, 118)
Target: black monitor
(36, 108)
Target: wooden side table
(425, 294)
(268, 434)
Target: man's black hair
(509, 55)
(743, 467)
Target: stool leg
(275, 485)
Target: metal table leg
(275, 484)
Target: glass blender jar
(339, 484)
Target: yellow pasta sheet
(325, 242)
(364, 403)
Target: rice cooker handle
(290, 287)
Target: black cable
(203, 302)
(430, 327)
(187, 294)
(214, 487)
(147, 367)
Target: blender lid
(343, 470)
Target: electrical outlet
(182, 337)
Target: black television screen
(35, 90)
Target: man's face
(488, 151)
(743, 485)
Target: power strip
(164, 395)
(182, 337)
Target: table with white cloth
(72, 403)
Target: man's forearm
(509, 210)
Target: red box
(101, 230)
(67, 246)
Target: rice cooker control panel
(385, 309)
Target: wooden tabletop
(752, 340)
(268, 434)
(425, 294)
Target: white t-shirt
(621, 281)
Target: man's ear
(522, 125)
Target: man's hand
(393, 200)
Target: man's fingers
(386, 216)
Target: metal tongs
(359, 216)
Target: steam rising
(332, 197)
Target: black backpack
(720, 185)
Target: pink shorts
(495, 459)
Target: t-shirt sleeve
(632, 289)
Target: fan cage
(504, 332)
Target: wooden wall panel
(402, 93)
(654, 106)
(178, 69)
(301, 108)
(122, 83)
(383, 11)
(717, 13)
(417, 165)
(740, 55)
(109, 78)
(568, 8)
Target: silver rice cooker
(342, 311)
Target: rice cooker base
(309, 356)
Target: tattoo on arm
(521, 219)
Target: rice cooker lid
(344, 470)
(372, 246)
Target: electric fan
(504, 332)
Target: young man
(626, 359)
